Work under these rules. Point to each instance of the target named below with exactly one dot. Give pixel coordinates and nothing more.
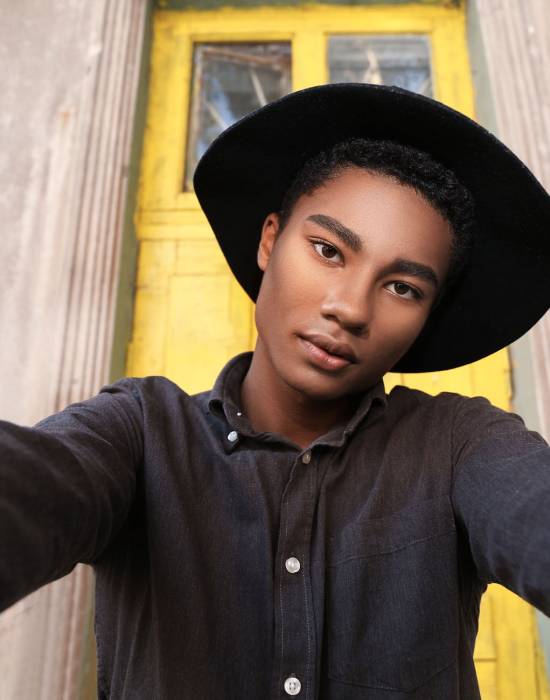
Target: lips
(331, 346)
(326, 352)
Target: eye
(402, 289)
(327, 251)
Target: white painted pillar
(69, 81)
(516, 37)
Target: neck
(272, 405)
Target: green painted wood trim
(212, 4)
(129, 248)
(88, 673)
(485, 109)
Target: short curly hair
(413, 168)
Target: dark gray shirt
(234, 565)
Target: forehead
(359, 193)
(386, 215)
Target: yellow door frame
(190, 315)
(306, 27)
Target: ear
(270, 229)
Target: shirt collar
(224, 402)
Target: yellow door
(209, 67)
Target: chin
(316, 387)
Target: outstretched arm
(501, 497)
(66, 487)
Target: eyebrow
(346, 235)
(409, 267)
(354, 242)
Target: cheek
(399, 326)
(403, 320)
(290, 284)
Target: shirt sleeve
(66, 487)
(501, 497)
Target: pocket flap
(370, 537)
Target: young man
(296, 531)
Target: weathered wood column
(516, 36)
(69, 83)
(516, 40)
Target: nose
(351, 306)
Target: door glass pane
(402, 60)
(230, 80)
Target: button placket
(295, 632)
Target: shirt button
(292, 685)
(233, 435)
(292, 565)
(306, 457)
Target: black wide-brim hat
(505, 287)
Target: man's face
(349, 283)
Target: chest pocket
(392, 598)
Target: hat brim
(505, 287)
